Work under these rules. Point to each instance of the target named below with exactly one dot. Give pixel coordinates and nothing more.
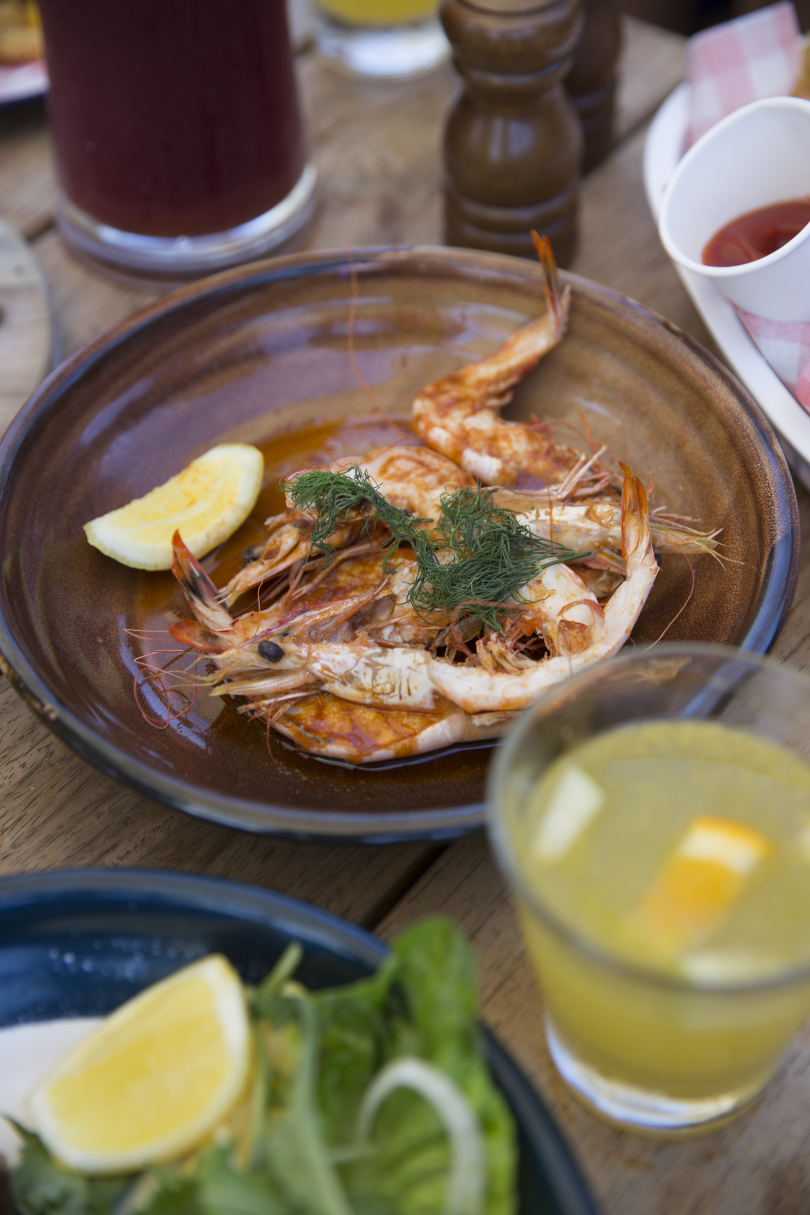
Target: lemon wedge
(206, 502)
(155, 1079)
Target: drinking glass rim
(504, 855)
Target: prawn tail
(557, 301)
(197, 586)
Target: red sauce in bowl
(757, 233)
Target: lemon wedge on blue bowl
(155, 1079)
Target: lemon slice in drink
(155, 1079)
(206, 502)
(702, 880)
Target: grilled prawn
(459, 415)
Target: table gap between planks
(378, 152)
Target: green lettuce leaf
(422, 1002)
(293, 1147)
(215, 1187)
(40, 1186)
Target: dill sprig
(338, 498)
(477, 556)
(494, 556)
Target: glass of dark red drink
(177, 130)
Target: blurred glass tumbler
(381, 39)
(177, 130)
(652, 815)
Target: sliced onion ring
(467, 1182)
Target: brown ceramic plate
(258, 353)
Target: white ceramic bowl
(757, 156)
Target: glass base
(637, 1108)
(189, 257)
(395, 52)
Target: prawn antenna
(351, 348)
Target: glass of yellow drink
(653, 817)
(381, 39)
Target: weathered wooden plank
(26, 168)
(85, 302)
(652, 63)
(59, 812)
(377, 148)
(25, 324)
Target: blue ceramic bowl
(80, 943)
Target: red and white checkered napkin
(730, 65)
(786, 346)
(740, 61)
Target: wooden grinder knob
(592, 79)
(513, 141)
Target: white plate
(663, 149)
(23, 82)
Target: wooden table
(377, 148)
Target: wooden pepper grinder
(592, 79)
(512, 141)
